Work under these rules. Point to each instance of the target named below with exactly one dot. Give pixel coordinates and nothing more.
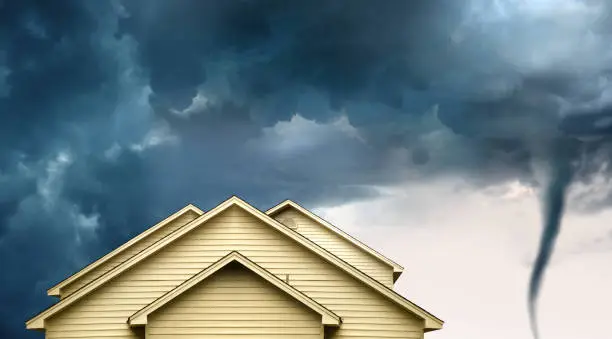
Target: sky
(469, 262)
(479, 128)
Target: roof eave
(35, 324)
(431, 326)
(54, 291)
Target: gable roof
(397, 268)
(431, 322)
(328, 317)
(55, 290)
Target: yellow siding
(365, 313)
(234, 303)
(342, 248)
(128, 253)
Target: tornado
(554, 204)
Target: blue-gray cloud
(116, 113)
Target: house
(236, 272)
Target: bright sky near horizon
(468, 255)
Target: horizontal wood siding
(365, 313)
(128, 253)
(234, 303)
(340, 247)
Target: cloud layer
(117, 113)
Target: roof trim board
(431, 322)
(55, 290)
(327, 317)
(397, 268)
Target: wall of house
(365, 313)
(128, 253)
(342, 248)
(234, 303)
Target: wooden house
(236, 272)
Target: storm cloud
(116, 113)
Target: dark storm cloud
(64, 99)
(117, 113)
(383, 68)
(511, 91)
(342, 49)
(506, 109)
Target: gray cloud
(115, 113)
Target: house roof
(397, 268)
(55, 290)
(431, 322)
(328, 317)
